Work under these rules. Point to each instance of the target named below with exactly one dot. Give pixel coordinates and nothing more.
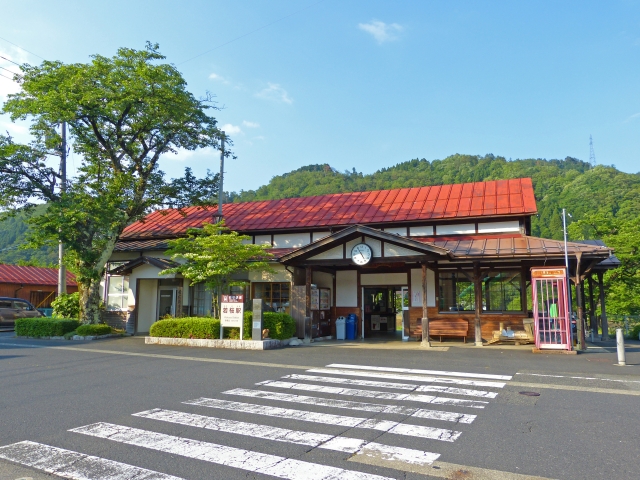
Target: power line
(249, 33)
(1, 75)
(10, 71)
(22, 48)
(8, 60)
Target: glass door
(167, 302)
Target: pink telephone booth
(552, 324)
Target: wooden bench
(449, 327)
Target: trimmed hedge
(281, 325)
(186, 327)
(45, 327)
(95, 329)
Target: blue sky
(368, 84)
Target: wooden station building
(462, 251)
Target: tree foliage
(123, 114)
(213, 255)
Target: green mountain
(568, 183)
(13, 233)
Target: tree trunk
(90, 301)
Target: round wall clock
(361, 254)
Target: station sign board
(231, 310)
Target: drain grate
(530, 394)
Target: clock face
(361, 254)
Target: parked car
(12, 308)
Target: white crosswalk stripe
(322, 385)
(390, 395)
(328, 442)
(407, 377)
(274, 465)
(327, 418)
(393, 385)
(78, 466)
(371, 407)
(488, 376)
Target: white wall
(383, 279)
(319, 235)
(263, 239)
(346, 288)
(279, 275)
(416, 288)
(291, 240)
(398, 230)
(458, 229)
(395, 251)
(148, 304)
(375, 244)
(332, 254)
(493, 227)
(424, 231)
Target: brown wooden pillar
(425, 313)
(307, 298)
(477, 280)
(593, 320)
(603, 310)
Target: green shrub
(45, 327)
(95, 329)
(186, 327)
(66, 305)
(281, 325)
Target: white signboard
(232, 310)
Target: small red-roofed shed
(38, 285)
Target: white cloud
(382, 32)
(184, 155)
(14, 128)
(219, 78)
(248, 124)
(231, 129)
(276, 93)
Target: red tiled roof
(33, 275)
(496, 197)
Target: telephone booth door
(552, 324)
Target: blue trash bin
(351, 326)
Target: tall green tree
(213, 255)
(123, 114)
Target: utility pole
(62, 271)
(220, 190)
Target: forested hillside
(604, 203)
(13, 232)
(568, 183)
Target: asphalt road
(584, 427)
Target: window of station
(502, 291)
(117, 293)
(456, 292)
(275, 296)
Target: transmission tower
(592, 155)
